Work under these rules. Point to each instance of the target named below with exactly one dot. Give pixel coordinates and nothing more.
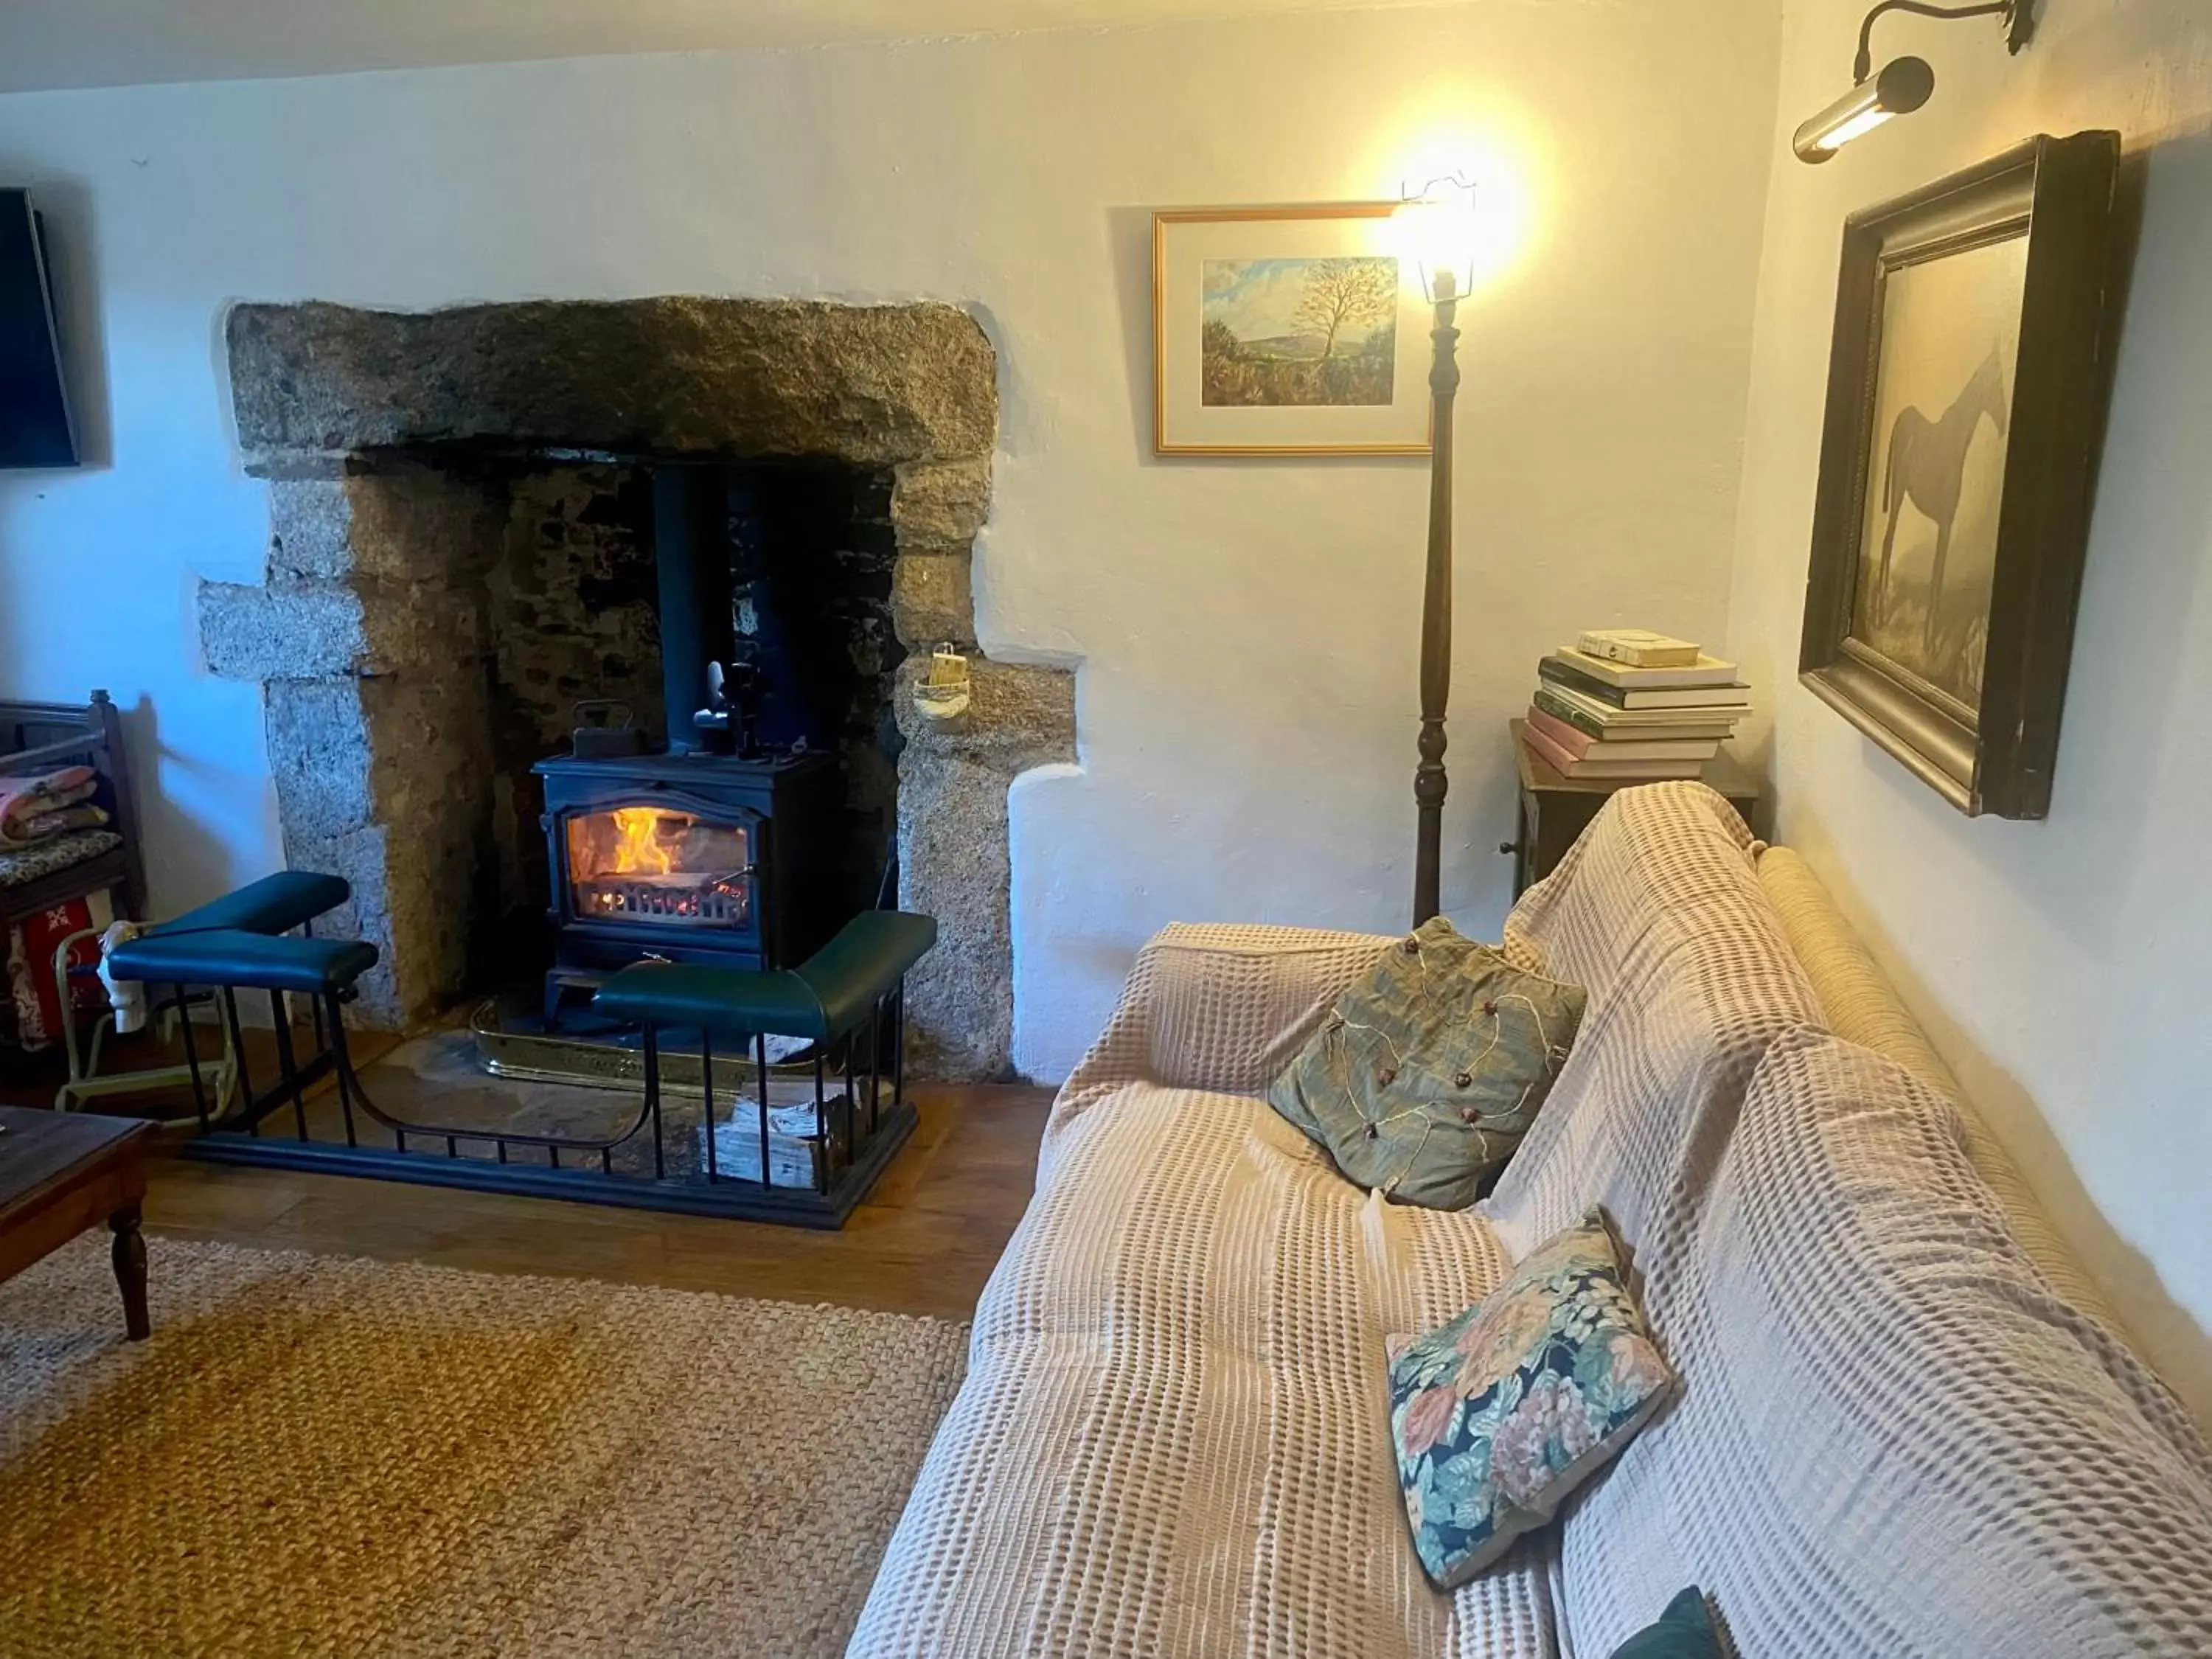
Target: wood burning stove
(695, 858)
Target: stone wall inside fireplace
(452, 561)
(570, 615)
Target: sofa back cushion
(1893, 1437)
(1222, 1007)
(1656, 913)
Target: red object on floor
(31, 945)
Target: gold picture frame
(1287, 330)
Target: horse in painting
(1927, 466)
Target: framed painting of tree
(1967, 378)
(1287, 330)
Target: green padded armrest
(274, 904)
(828, 994)
(271, 962)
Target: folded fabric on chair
(24, 800)
(47, 825)
(22, 862)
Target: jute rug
(322, 1456)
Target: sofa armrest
(1216, 1007)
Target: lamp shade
(1440, 231)
(1901, 87)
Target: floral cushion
(1498, 1414)
(1429, 1068)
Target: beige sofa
(1904, 1427)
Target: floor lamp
(1442, 223)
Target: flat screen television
(35, 430)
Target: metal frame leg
(875, 1059)
(330, 1042)
(659, 1158)
(899, 1043)
(820, 1128)
(282, 1017)
(760, 1050)
(237, 1047)
(706, 1100)
(651, 1088)
(191, 1053)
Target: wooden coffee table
(61, 1172)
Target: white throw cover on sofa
(1174, 1437)
(1871, 1451)
(1657, 914)
(1895, 1436)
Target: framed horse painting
(1966, 390)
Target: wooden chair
(40, 736)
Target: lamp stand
(1429, 780)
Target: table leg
(131, 1271)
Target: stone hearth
(392, 443)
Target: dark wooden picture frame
(1991, 748)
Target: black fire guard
(846, 1004)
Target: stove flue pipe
(691, 554)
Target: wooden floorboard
(922, 1243)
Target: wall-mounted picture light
(1904, 83)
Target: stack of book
(1622, 702)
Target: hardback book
(1583, 746)
(1559, 671)
(1706, 670)
(1640, 770)
(1603, 720)
(1640, 647)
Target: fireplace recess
(385, 436)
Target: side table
(1554, 810)
(62, 1172)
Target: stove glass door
(657, 867)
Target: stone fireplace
(453, 562)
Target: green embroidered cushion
(1685, 1630)
(1425, 1074)
(1496, 1415)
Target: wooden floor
(923, 1242)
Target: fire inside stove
(648, 863)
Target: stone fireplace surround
(368, 640)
